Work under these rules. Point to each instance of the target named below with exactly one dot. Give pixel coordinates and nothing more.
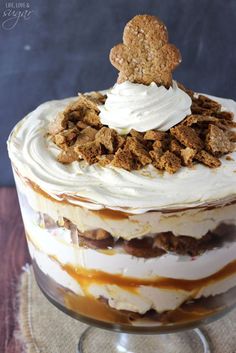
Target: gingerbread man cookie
(145, 55)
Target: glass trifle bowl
(133, 270)
(128, 201)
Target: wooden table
(13, 255)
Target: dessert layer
(151, 245)
(129, 282)
(194, 223)
(125, 293)
(58, 245)
(137, 191)
(99, 309)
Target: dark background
(63, 48)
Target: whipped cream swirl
(136, 106)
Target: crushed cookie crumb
(229, 158)
(89, 151)
(155, 135)
(156, 155)
(217, 141)
(175, 147)
(68, 156)
(170, 162)
(231, 135)
(207, 159)
(197, 119)
(58, 125)
(135, 146)
(188, 155)
(123, 159)
(105, 159)
(137, 134)
(187, 136)
(108, 138)
(201, 137)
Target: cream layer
(111, 187)
(195, 222)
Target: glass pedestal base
(101, 341)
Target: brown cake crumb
(89, 151)
(142, 248)
(187, 136)
(96, 234)
(217, 141)
(207, 159)
(91, 243)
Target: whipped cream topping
(34, 155)
(140, 107)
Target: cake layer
(111, 187)
(151, 245)
(58, 245)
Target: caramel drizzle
(87, 277)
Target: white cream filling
(146, 298)
(195, 223)
(57, 244)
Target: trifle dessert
(128, 196)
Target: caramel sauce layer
(87, 277)
(100, 310)
(93, 308)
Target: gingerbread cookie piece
(145, 55)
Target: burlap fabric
(44, 329)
